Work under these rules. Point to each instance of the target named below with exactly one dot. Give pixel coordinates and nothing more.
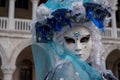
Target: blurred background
(16, 61)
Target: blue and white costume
(54, 61)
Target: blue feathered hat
(55, 14)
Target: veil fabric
(44, 59)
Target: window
(118, 14)
(21, 4)
(2, 3)
(119, 3)
(42, 1)
(119, 71)
(26, 73)
(26, 70)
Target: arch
(3, 56)
(112, 61)
(17, 51)
(110, 49)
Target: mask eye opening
(69, 40)
(85, 39)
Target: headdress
(55, 14)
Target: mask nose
(78, 47)
(77, 50)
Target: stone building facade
(16, 59)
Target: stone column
(8, 72)
(113, 15)
(11, 23)
(114, 26)
(34, 8)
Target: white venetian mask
(79, 40)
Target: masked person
(66, 40)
